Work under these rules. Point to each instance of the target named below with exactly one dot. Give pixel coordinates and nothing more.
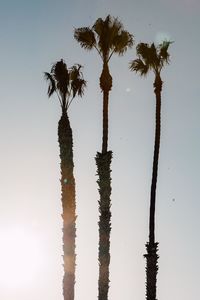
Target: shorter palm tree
(152, 58)
(67, 84)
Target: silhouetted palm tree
(67, 83)
(152, 58)
(107, 37)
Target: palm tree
(67, 84)
(152, 58)
(107, 37)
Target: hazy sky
(35, 34)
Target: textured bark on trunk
(152, 246)
(103, 162)
(151, 270)
(68, 205)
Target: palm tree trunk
(68, 205)
(152, 246)
(105, 122)
(105, 85)
(103, 162)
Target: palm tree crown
(150, 57)
(106, 36)
(67, 83)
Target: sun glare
(20, 258)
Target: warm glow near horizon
(21, 257)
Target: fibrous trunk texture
(68, 205)
(152, 246)
(151, 270)
(103, 162)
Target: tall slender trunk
(103, 161)
(152, 246)
(105, 85)
(68, 205)
(105, 122)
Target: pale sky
(35, 34)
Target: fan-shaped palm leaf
(66, 83)
(107, 36)
(139, 66)
(98, 27)
(52, 85)
(75, 72)
(85, 36)
(163, 52)
(61, 75)
(78, 84)
(122, 42)
(142, 50)
(148, 54)
(154, 57)
(103, 32)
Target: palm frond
(163, 52)
(75, 72)
(52, 85)
(98, 27)
(85, 36)
(61, 76)
(153, 54)
(111, 37)
(78, 87)
(139, 66)
(78, 84)
(107, 30)
(142, 50)
(106, 36)
(122, 42)
(102, 29)
(150, 55)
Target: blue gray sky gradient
(35, 34)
